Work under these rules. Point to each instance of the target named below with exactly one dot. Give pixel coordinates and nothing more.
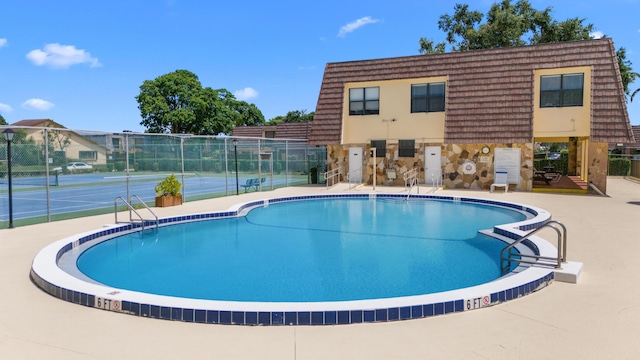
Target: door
(355, 164)
(433, 165)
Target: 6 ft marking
(478, 302)
(107, 304)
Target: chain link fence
(59, 173)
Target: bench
(252, 184)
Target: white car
(78, 166)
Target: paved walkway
(599, 318)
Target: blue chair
(250, 184)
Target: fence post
(46, 170)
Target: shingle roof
(251, 131)
(293, 130)
(282, 130)
(37, 123)
(489, 92)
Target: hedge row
(619, 166)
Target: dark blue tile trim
(292, 317)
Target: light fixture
(8, 134)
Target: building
(629, 148)
(65, 145)
(279, 131)
(459, 117)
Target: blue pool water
(308, 251)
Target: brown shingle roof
(293, 130)
(251, 131)
(489, 92)
(282, 130)
(37, 123)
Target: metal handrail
(136, 197)
(355, 172)
(505, 261)
(436, 184)
(414, 181)
(412, 177)
(331, 174)
(132, 210)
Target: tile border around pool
(64, 286)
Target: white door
(433, 164)
(355, 164)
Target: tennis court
(45, 187)
(89, 192)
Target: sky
(81, 63)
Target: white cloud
(37, 104)
(3, 42)
(245, 94)
(352, 26)
(311, 67)
(597, 34)
(5, 108)
(61, 56)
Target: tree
(177, 103)
(2, 120)
(293, 116)
(516, 24)
(627, 74)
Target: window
(561, 90)
(270, 134)
(364, 101)
(116, 143)
(88, 155)
(381, 147)
(427, 97)
(406, 148)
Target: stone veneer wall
(598, 165)
(453, 156)
(455, 178)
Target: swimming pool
(72, 285)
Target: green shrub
(169, 186)
(619, 166)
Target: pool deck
(597, 318)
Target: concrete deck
(595, 319)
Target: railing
(505, 261)
(132, 210)
(436, 182)
(412, 177)
(334, 175)
(357, 175)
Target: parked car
(72, 166)
(554, 156)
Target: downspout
(595, 188)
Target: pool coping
(64, 286)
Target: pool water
(309, 251)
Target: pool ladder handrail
(436, 183)
(349, 176)
(412, 177)
(561, 231)
(132, 210)
(332, 174)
